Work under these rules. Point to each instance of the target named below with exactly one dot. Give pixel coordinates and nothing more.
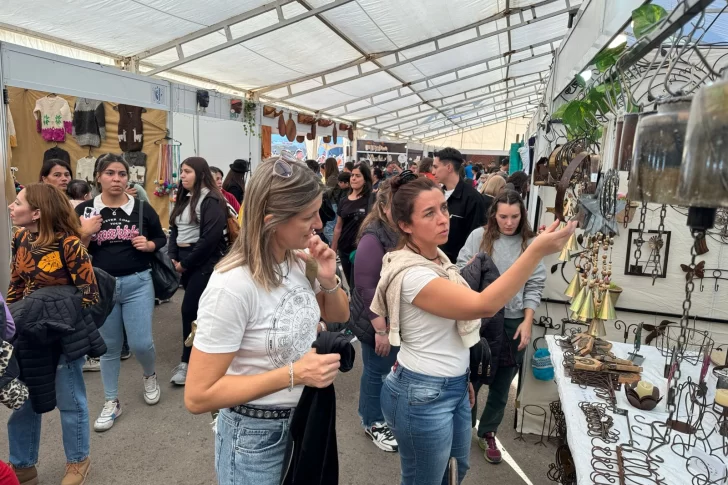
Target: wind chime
(167, 171)
(591, 300)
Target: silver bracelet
(335, 288)
(290, 374)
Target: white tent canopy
(415, 69)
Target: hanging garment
(131, 138)
(12, 137)
(311, 453)
(85, 168)
(57, 154)
(137, 166)
(53, 118)
(89, 122)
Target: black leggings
(194, 282)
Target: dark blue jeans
(430, 418)
(370, 388)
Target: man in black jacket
(465, 204)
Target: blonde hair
(494, 185)
(281, 197)
(56, 213)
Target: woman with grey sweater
(504, 238)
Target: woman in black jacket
(376, 236)
(48, 252)
(196, 242)
(235, 179)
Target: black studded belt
(262, 413)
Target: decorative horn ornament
(565, 254)
(572, 244)
(574, 287)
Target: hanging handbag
(164, 277)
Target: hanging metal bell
(579, 299)
(572, 244)
(574, 287)
(596, 328)
(586, 312)
(565, 254)
(607, 311)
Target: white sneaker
(92, 365)
(179, 376)
(111, 411)
(382, 437)
(152, 392)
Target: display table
(673, 470)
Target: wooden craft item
(281, 125)
(270, 111)
(324, 123)
(587, 363)
(628, 378)
(565, 181)
(300, 138)
(305, 119)
(335, 135)
(290, 128)
(327, 139)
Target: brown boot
(26, 476)
(76, 473)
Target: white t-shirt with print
(266, 329)
(448, 193)
(431, 345)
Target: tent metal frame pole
(490, 93)
(480, 116)
(244, 38)
(533, 84)
(458, 78)
(532, 98)
(432, 40)
(400, 61)
(223, 25)
(438, 134)
(360, 50)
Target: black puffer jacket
(480, 273)
(50, 322)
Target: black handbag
(164, 277)
(480, 362)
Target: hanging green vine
(249, 117)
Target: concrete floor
(165, 444)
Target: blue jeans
(24, 424)
(375, 371)
(133, 310)
(249, 451)
(430, 418)
(329, 227)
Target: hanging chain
(679, 350)
(626, 213)
(659, 243)
(640, 241)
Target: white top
(448, 193)
(266, 330)
(431, 345)
(187, 232)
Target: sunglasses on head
(282, 167)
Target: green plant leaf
(577, 116)
(559, 113)
(646, 18)
(608, 57)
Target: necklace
(417, 252)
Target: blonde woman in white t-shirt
(434, 315)
(257, 320)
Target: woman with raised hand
(435, 317)
(257, 320)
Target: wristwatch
(381, 333)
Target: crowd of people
(423, 266)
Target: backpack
(232, 231)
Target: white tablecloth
(673, 469)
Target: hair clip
(407, 176)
